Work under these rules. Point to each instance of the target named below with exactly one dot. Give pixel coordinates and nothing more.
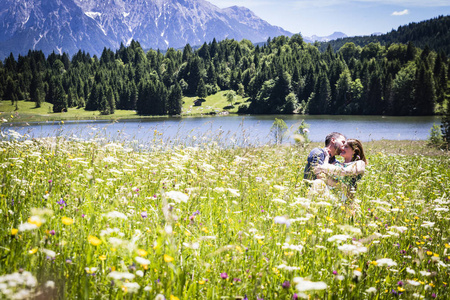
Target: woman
(345, 175)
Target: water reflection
(230, 130)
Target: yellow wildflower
(102, 257)
(168, 258)
(14, 231)
(67, 221)
(172, 297)
(36, 220)
(142, 252)
(94, 240)
(33, 251)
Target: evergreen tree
(211, 75)
(11, 64)
(59, 98)
(280, 92)
(111, 101)
(37, 89)
(146, 91)
(410, 51)
(194, 74)
(187, 53)
(175, 100)
(424, 94)
(160, 99)
(203, 52)
(107, 103)
(72, 97)
(322, 96)
(94, 98)
(403, 90)
(201, 89)
(10, 91)
(343, 91)
(374, 99)
(213, 48)
(103, 106)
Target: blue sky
(357, 17)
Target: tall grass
(99, 219)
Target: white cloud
(400, 13)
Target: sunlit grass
(91, 219)
(216, 104)
(25, 111)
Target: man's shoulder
(316, 151)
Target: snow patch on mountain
(92, 14)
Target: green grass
(27, 112)
(73, 214)
(216, 103)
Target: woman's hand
(327, 157)
(356, 168)
(319, 169)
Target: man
(333, 145)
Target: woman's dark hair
(358, 151)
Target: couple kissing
(325, 172)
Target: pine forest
(285, 75)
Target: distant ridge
(315, 38)
(433, 32)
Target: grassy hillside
(27, 112)
(213, 104)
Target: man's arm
(356, 168)
(315, 157)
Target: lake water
(249, 130)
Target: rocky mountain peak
(91, 25)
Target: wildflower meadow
(102, 220)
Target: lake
(249, 130)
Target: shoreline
(27, 113)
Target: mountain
(91, 25)
(334, 36)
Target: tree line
(434, 33)
(285, 75)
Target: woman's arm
(356, 168)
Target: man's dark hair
(335, 135)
